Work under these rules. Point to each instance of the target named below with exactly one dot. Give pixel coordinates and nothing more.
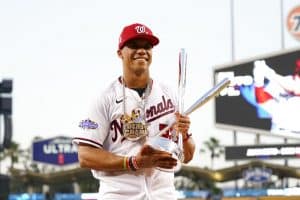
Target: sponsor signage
(56, 151)
(262, 151)
(293, 22)
(257, 175)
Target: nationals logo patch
(88, 124)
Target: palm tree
(12, 152)
(20, 156)
(214, 147)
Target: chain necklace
(135, 125)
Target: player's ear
(119, 52)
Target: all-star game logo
(293, 22)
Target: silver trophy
(181, 91)
(165, 144)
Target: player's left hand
(182, 123)
(149, 157)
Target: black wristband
(187, 136)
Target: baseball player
(280, 97)
(133, 109)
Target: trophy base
(165, 144)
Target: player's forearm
(97, 159)
(101, 160)
(188, 149)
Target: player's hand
(149, 157)
(182, 124)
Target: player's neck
(136, 81)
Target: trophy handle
(181, 91)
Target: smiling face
(136, 56)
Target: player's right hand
(149, 157)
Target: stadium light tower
(6, 86)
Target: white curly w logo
(140, 29)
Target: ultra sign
(57, 151)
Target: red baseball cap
(135, 31)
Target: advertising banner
(56, 151)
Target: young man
(132, 110)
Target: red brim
(151, 38)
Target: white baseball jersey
(102, 128)
(281, 108)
